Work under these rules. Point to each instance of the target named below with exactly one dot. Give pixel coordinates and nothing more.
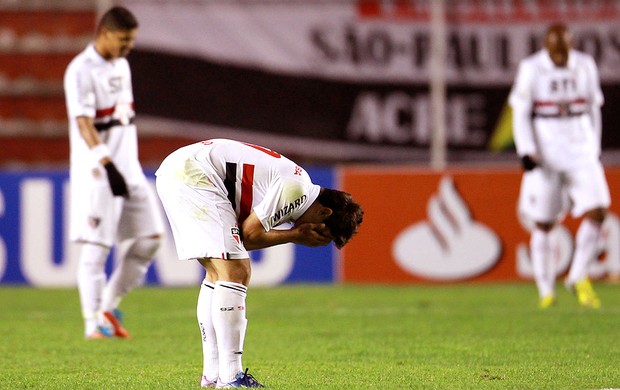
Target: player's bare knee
(211, 271)
(238, 271)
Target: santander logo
(450, 245)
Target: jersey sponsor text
(288, 209)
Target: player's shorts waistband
(558, 115)
(107, 125)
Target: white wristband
(100, 151)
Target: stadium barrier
(457, 225)
(35, 251)
(420, 226)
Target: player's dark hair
(118, 19)
(346, 215)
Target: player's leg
(204, 227)
(91, 280)
(130, 271)
(140, 225)
(93, 221)
(229, 314)
(210, 361)
(228, 311)
(586, 245)
(127, 275)
(541, 253)
(590, 194)
(539, 202)
(586, 249)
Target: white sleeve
(285, 202)
(79, 92)
(267, 209)
(127, 93)
(596, 101)
(124, 110)
(521, 101)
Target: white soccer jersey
(251, 177)
(101, 89)
(556, 111)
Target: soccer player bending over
(556, 101)
(224, 198)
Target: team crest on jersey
(94, 222)
(234, 231)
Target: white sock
(210, 361)
(541, 253)
(130, 272)
(229, 322)
(554, 259)
(91, 281)
(586, 241)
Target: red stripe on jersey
(104, 112)
(109, 111)
(247, 197)
(264, 150)
(576, 101)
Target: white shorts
(203, 222)
(99, 217)
(547, 195)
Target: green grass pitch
(489, 336)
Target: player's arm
(308, 234)
(102, 154)
(520, 100)
(596, 101)
(90, 135)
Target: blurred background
(400, 102)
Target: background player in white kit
(556, 101)
(223, 198)
(111, 201)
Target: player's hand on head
(116, 180)
(313, 234)
(323, 230)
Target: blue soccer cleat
(100, 333)
(243, 379)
